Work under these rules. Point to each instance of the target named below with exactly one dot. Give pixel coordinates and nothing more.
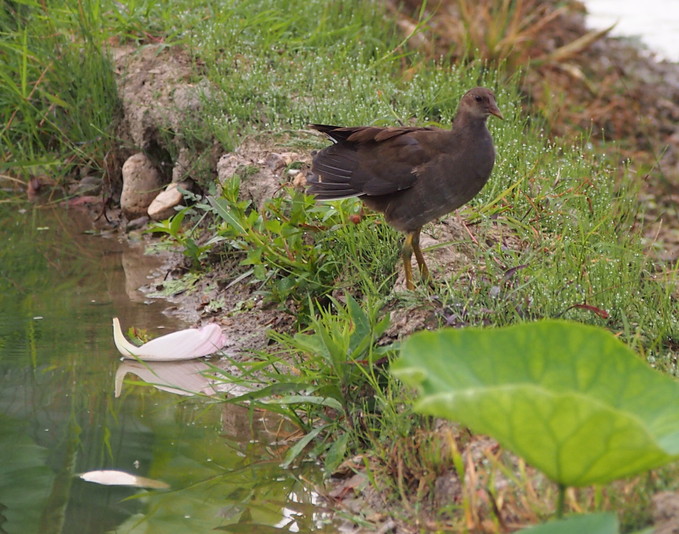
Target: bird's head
(479, 103)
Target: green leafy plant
(321, 379)
(571, 399)
(274, 241)
(175, 229)
(296, 248)
(341, 343)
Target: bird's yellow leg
(415, 244)
(406, 254)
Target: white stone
(163, 205)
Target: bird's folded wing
(365, 160)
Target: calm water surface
(59, 289)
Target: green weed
(57, 91)
(292, 248)
(183, 237)
(327, 379)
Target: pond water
(654, 22)
(59, 417)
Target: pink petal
(181, 345)
(184, 344)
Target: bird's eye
(478, 98)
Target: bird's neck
(467, 122)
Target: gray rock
(666, 512)
(136, 224)
(182, 166)
(262, 172)
(141, 183)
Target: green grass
(57, 91)
(558, 229)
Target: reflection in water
(59, 417)
(110, 477)
(181, 378)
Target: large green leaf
(571, 399)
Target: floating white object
(110, 477)
(181, 345)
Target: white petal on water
(181, 345)
(110, 477)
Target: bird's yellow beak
(494, 110)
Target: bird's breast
(443, 184)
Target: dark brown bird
(412, 175)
